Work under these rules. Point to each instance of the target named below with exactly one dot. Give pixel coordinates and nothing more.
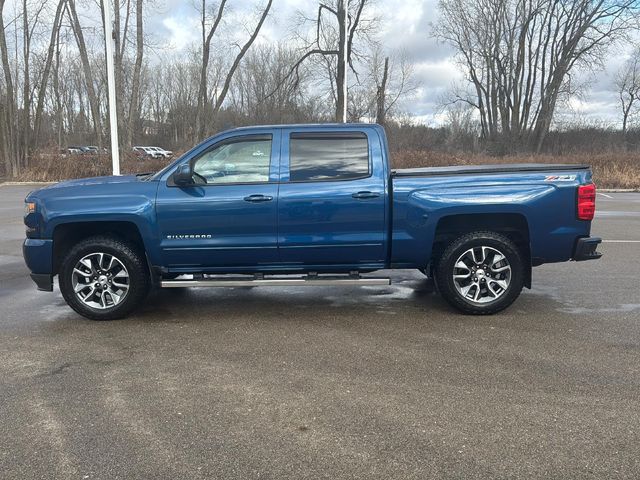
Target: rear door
(331, 204)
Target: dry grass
(55, 167)
(610, 170)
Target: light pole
(342, 18)
(111, 83)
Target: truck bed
(485, 169)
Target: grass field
(610, 170)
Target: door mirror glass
(183, 175)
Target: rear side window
(315, 157)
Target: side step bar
(311, 280)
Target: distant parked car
(85, 150)
(146, 152)
(163, 152)
(95, 150)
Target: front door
(331, 206)
(228, 218)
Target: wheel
(481, 273)
(104, 278)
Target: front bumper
(585, 249)
(38, 255)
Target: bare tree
(388, 78)
(262, 71)
(519, 55)
(393, 80)
(202, 125)
(330, 44)
(627, 84)
(207, 37)
(44, 80)
(236, 62)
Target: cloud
(405, 25)
(182, 32)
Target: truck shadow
(411, 296)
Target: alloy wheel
(482, 274)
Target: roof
(306, 125)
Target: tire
(109, 293)
(486, 292)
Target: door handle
(258, 198)
(365, 194)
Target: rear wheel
(104, 278)
(481, 273)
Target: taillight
(586, 201)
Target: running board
(320, 281)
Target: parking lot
(326, 382)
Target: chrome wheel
(100, 280)
(482, 274)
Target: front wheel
(104, 278)
(481, 273)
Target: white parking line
(604, 195)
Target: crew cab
(306, 205)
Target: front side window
(242, 160)
(331, 156)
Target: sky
(406, 25)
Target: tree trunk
(44, 80)
(381, 110)
(56, 92)
(88, 75)
(134, 111)
(203, 97)
(9, 120)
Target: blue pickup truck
(305, 205)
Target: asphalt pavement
(326, 382)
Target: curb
(618, 190)
(10, 184)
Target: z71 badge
(560, 178)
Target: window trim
(221, 143)
(343, 135)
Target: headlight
(29, 207)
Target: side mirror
(183, 176)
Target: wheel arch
(66, 235)
(512, 225)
